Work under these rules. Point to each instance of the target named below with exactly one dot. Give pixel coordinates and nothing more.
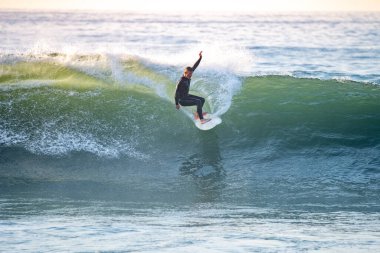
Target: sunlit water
(293, 167)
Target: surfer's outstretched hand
(200, 53)
(177, 106)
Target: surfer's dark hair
(189, 69)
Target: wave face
(112, 120)
(300, 114)
(50, 108)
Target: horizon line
(183, 12)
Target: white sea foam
(196, 230)
(10, 138)
(61, 143)
(48, 141)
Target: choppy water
(94, 156)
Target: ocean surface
(95, 157)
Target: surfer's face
(188, 73)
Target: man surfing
(182, 96)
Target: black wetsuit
(183, 97)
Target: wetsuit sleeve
(197, 63)
(177, 92)
(176, 97)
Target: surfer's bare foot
(204, 120)
(196, 116)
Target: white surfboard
(215, 120)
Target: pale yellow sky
(195, 5)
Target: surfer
(182, 96)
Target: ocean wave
(122, 106)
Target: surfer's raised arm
(198, 61)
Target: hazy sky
(196, 5)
